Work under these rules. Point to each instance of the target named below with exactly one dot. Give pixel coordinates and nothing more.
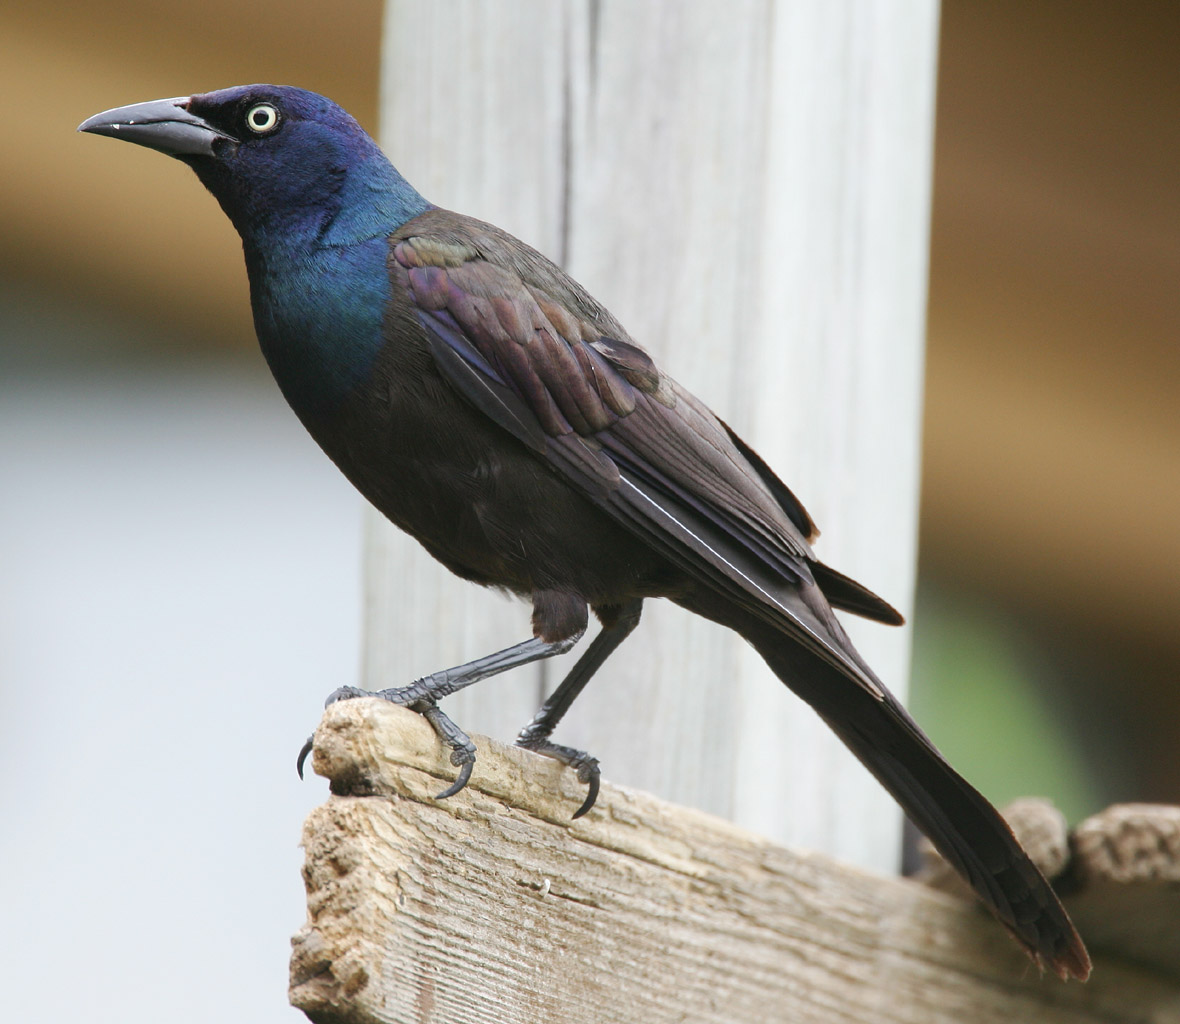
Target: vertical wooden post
(746, 186)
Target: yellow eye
(262, 118)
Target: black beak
(164, 125)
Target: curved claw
(591, 797)
(342, 693)
(464, 777)
(303, 754)
(346, 693)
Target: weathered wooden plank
(1126, 870)
(746, 186)
(494, 907)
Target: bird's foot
(584, 764)
(462, 749)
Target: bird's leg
(423, 694)
(617, 624)
(559, 621)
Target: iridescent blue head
(314, 200)
(284, 163)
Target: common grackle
(491, 408)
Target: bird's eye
(262, 118)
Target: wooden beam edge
(494, 906)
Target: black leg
(535, 735)
(423, 694)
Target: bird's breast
(318, 314)
(352, 360)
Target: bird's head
(282, 162)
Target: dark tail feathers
(964, 827)
(848, 595)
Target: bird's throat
(318, 312)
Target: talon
(345, 693)
(303, 755)
(592, 796)
(581, 762)
(460, 782)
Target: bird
(490, 407)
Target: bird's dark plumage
(486, 404)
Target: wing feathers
(531, 350)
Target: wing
(539, 357)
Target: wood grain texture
(746, 187)
(1127, 872)
(494, 907)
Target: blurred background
(180, 567)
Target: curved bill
(164, 125)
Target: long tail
(965, 828)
